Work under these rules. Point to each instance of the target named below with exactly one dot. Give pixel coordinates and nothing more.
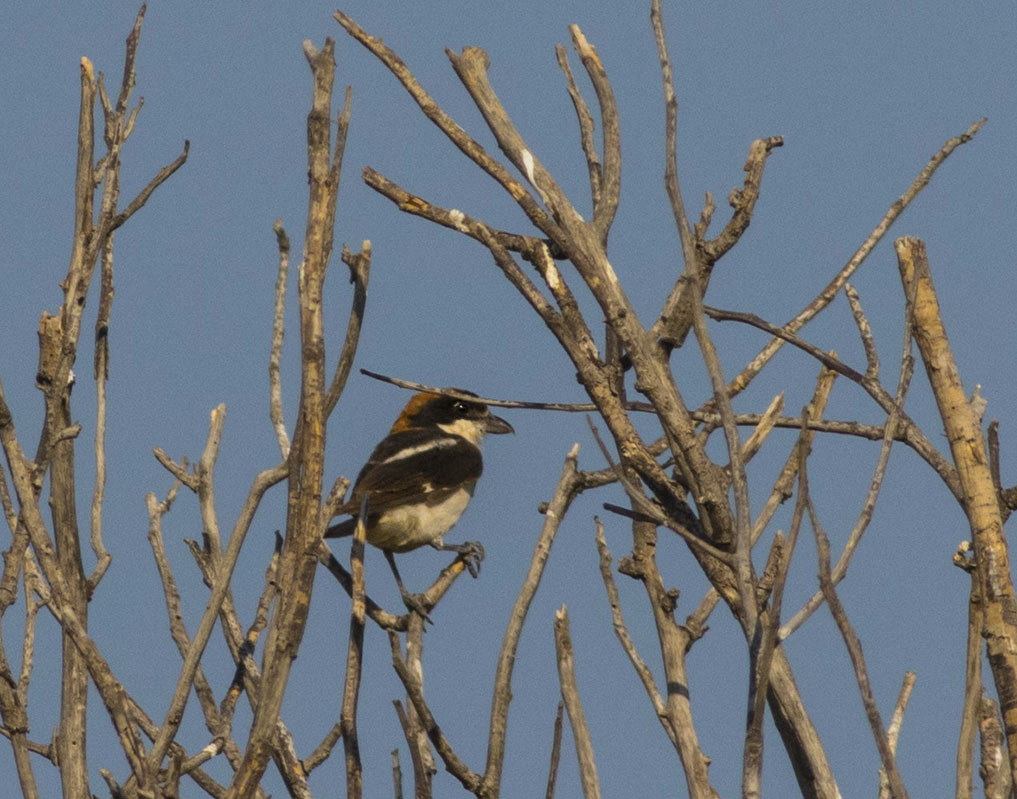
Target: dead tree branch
(963, 430)
(570, 696)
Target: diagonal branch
(854, 648)
(825, 297)
(564, 493)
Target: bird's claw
(472, 554)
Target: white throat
(467, 428)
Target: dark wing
(412, 466)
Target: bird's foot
(415, 604)
(471, 553)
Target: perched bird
(420, 478)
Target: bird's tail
(342, 529)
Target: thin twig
(622, 633)
(854, 648)
(101, 375)
(421, 775)
(825, 297)
(839, 427)
(761, 651)
(397, 776)
(864, 330)
(647, 511)
(766, 424)
(275, 408)
(452, 218)
(174, 713)
(605, 201)
(360, 274)
(354, 663)
(690, 272)
(585, 119)
(914, 434)
(742, 561)
(893, 731)
(879, 473)
(502, 694)
(552, 771)
(414, 690)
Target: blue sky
(863, 95)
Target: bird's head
(460, 417)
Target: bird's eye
(459, 407)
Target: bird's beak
(495, 424)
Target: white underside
(413, 526)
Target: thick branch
(963, 430)
(298, 562)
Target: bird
(420, 478)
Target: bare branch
(742, 200)
(354, 662)
(673, 336)
(585, 119)
(570, 695)
(919, 441)
(766, 424)
(995, 777)
(854, 647)
(552, 772)
(275, 409)
(421, 773)
(875, 484)
(742, 563)
(762, 647)
(864, 330)
(453, 218)
(972, 681)
(179, 471)
(826, 296)
(645, 510)
(304, 467)
(360, 272)
(448, 126)
(622, 633)
(397, 776)
(675, 318)
(553, 516)
(101, 374)
(174, 714)
(893, 731)
(605, 201)
(414, 690)
(978, 499)
(161, 177)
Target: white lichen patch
(458, 218)
(528, 166)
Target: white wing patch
(409, 452)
